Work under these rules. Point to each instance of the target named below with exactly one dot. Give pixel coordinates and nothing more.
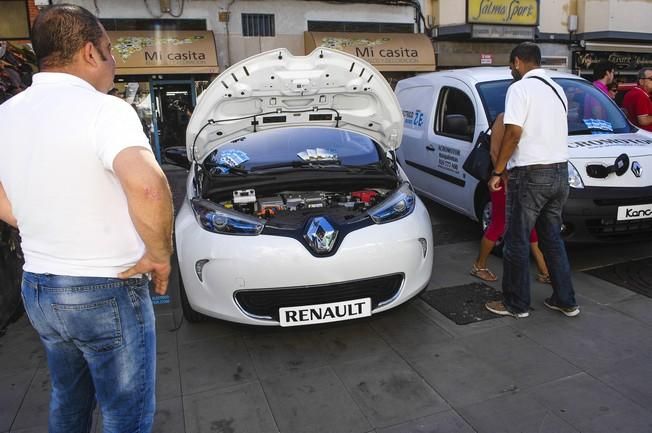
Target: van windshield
(589, 110)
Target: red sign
(486, 59)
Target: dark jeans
(100, 338)
(535, 197)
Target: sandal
(544, 278)
(483, 273)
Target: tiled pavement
(409, 370)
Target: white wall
(553, 16)
(450, 12)
(614, 15)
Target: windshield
(296, 146)
(590, 111)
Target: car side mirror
(176, 155)
(456, 124)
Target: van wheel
(485, 220)
(191, 315)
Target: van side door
(452, 135)
(417, 103)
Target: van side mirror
(456, 124)
(176, 155)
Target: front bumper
(244, 271)
(590, 214)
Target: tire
(191, 315)
(485, 220)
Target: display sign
(386, 51)
(624, 61)
(164, 52)
(494, 31)
(506, 12)
(14, 20)
(486, 59)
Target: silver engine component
(290, 201)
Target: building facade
(573, 34)
(168, 51)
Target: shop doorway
(172, 103)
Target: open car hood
(278, 90)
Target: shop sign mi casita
(503, 12)
(378, 48)
(163, 49)
(386, 51)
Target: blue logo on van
(413, 119)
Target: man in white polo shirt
(533, 166)
(94, 210)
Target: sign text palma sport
(519, 12)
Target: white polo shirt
(59, 140)
(534, 107)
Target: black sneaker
(566, 311)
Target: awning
(386, 51)
(142, 52)
(616, 47)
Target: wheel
(191, 315)
(485, 220)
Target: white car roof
(478, 75)
(276, 89)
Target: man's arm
(507, 148)
(150, 208)
(6, 214)
(644, 120)
(642, 107)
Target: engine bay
(287, 203)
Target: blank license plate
(324, 313)
(634, 212)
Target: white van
(445, 111)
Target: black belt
(539, 166)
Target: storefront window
(138, 96)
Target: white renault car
(296, 211)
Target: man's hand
(495, 183)
(160, 270)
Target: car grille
(610, 228)
(622, 201)
(264, 303)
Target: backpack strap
(544, 81)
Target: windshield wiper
(588, 131)
(298, 164)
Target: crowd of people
(636, 104)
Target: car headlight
(216, 219)
(398, 205)
(574, 179)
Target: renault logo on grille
(320, 235)
(637, 169)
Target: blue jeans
(99, 337)
(535, 197)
